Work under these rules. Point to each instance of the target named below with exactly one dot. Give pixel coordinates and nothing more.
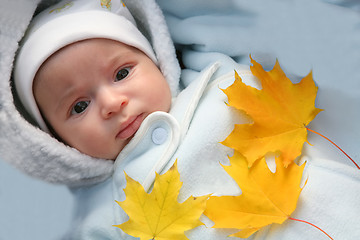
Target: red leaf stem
(298, 220)
(334, 145)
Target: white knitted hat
(66, 23)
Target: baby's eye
(122, 73)
(79, 107)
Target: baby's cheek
(106, 147)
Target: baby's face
(96, 93)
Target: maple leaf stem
(334, 145)
(298, 220)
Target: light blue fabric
(304, 35)
(32, 209)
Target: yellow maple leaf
(280, 112)
(266, 197)
(158, 215)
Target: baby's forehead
(88, 46)
(84, 59)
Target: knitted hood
(37, 153)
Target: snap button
(159, 135)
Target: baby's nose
(112, 103)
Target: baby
(96, 93)
(92, 91)
(90, 78)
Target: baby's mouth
(130, 127)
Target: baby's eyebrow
(66, 97)
(116, 57)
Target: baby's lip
(130, 127)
